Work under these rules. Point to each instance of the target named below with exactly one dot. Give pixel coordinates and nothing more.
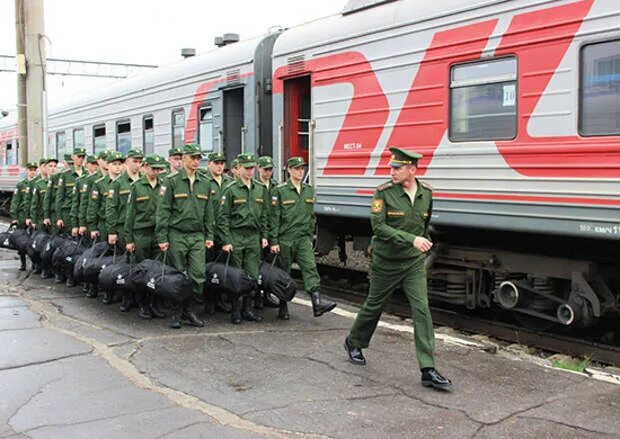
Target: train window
(123, 136)
(78, 138)
(99, 138)
(205, 132)
(11, 154)
(61, 144)
(483, 100)
(600, 89)
(178, 128)
(148, 135)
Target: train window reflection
(78, 138)
(178, 128)
(61, 144)
(99, 138)
(123, 137)
(483, 100)
(600, 89)
(205, 133)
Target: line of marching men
(186, 215)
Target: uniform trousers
(302, 253)
(146, 244)
(187, 252)
(386, 277)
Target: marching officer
(400, 214)
(18, 209)
(217, 180)
(182, 226)
(293, 222)
(242, 227)
(96, 209)
(140, 223)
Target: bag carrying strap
(226, 267)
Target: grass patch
(575, 366)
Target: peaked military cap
(135, 154)
(246, 160)
(31, 165)
(68, 158)
(50, 160)
(79, 151)
(91, 159)
(175, 151)
(155, 161)
(265, 162)
(234, 163)
(217, 157)
(114, 156)
(42, 161)
(295, 162)
(192, 149)
(400, 157)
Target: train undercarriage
(543, 281)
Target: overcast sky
(144, 31)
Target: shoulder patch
(377, 205)
(385, 185)
(281, 185)
(427, 186)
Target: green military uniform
(49, 200)
(242, 219)
(96, 209)
(215, 189)
(293, 223)
(167, 172)
(396, 221)
(85, 193)
(141, 210)
(79, 202)
(183, 221)
(64, 194)
(38, 196)
(19, 209)
(116, 205)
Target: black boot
(175, 323)
(45, 273)
(247, 313)
(235, 315)
(283, 311)
(319, 308)
(108, 297)
(220, 304)
(258, 300)
(209, 302)
(127, 302)
(145, 312)
(92, 291)
(70, 281)
(59, 278)
(190, 317)
(36, 268)
(22, 261)
(85, 288)
(154, 307)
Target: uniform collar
(184, 175)
(418, 192)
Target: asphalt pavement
(72, 367)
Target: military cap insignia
(377, 206)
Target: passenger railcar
(514, 104)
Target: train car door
(234, 129)
(297, 120)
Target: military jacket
(141, 207)
(242, 212)
(84, 190)
(182, 206)
(36, 202)
(292, 213)
(95, 211)
(64, 195)
(28, 197)
(116, 206)
(49, 201)
(214, 200)
(17, 209)
(396, 222)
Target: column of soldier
(149, 206)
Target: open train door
(234, 130)
(297, 129)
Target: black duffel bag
(276, 281)
(154, 276)
(115, 277)
(37, 244)
(92, 261)
(6, 240)
(65, 255)
(232, 280)
(21, 240)
(48, 251)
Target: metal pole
(22, 119)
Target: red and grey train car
(514, 104)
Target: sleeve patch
(377, 206)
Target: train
(514, 104)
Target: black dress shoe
(247, 313)
(283, 311)
(318, 306)
(355, 354)
(235, 315)
(432, 378)
(191, 318)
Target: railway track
(350, 285)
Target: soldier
(96, 209)
(182, 226)
(400, 214)
(140, 223)
(36, 203)
(85, 191)
(293, 222)
(18, 209)
(49, 201)
(217, 180)
(242, 226)
(175, 162)
(234, 169)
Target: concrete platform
(72, 367)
